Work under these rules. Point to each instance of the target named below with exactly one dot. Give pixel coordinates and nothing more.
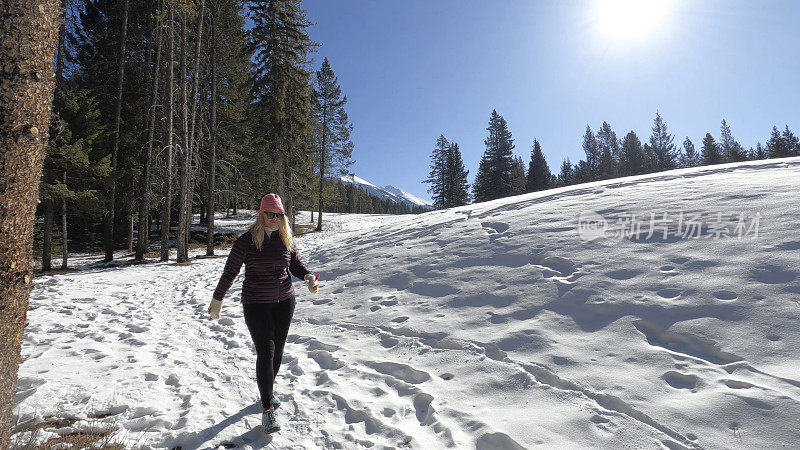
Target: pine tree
(69, 156)
(649, 158)
(791, 142)
(281, 79)
(567, 174)
(592, 162)
(582, 173)
(606, 166)
(437, 177)
(664, 155)
(711, 153)
(732, 151)
(235, 130)
(493, 179)
(777, 145)
(108, 227)
(538, 170)
(518, 178)
(690, 157)
(99, 64)
(332, 130)
(458, 187)
(633, 159)
(760, 152)
(608, 152)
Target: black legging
(269, 325)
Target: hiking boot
(275, 402)
(268, 422)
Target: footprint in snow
(491, 441)
(495, 227)
(679, 380)
(725, 295)
(669, 293)
(172, 380)
(314, 344)
(623, 274)
(388, 341)
(323, 378)
(736, 384)
(400, 371)
(133, 328)
(325, 360)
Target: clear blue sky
(415, 69)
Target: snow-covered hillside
(488, 326)
(389, 192)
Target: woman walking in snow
(269, 255)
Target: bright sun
(629, 20)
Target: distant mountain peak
(387, 192)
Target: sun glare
(630, 20)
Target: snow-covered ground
(496, 325)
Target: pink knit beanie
(271, 201)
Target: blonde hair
(284, 231)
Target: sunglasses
(272, 215)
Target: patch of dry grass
(98, 432)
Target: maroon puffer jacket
(266, 273)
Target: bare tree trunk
(108, 228)
(322, 152)
(196, 74)
(49, 204)
(143, 243)
(212, 170)
(59, 80)
(288, 201)
(184, 197)
(165, 213)
(194, 154)
(28, 31)
(65, 249)
(280, 172)
(47, 241)
(321, 186)
(130, 234)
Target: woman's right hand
(214, 309)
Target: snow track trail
(490, 326)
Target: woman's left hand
(311, 281)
